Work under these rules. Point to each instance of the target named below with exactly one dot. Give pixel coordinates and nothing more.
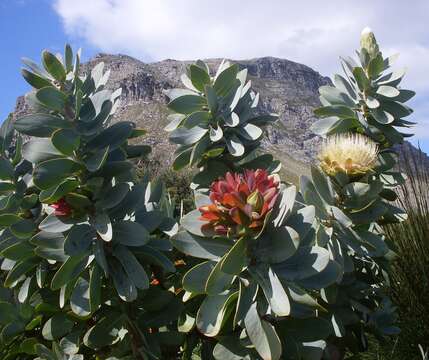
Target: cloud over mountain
(309, 32)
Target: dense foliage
(82, 238)
(95, 267)
(410, 273)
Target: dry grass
(410, 271)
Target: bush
(410, 271)
(176, 183)
(82, 238)
(278, 301)
(95, 266)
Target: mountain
(286, 88)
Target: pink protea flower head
(61, 208)
(240, 202)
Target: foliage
(257, 269)
(367, 99)
(81, 238)
(369, 102)
(411, 267)
(320, 259)
(176, 183)
(214, 117)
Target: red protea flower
(240, 202)
(155, 282)
(61, 207)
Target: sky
(311, 32)
(27, 27)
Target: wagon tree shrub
(247, 228)
(364, 109)
(287, 274)
(259, 270)
(83, 243)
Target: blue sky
(311, 32)
(27, 27)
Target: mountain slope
(286, 88)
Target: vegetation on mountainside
(410, 271)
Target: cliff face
(286, 88)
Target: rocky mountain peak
(287, 88)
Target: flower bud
(369, 43)
(256, 200)
(61, 208)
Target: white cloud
(311, 32)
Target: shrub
(410, 270)
(308, 278)
(176, 183)
(98, 268)
(82, 238)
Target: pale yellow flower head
(353, 154)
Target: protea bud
(240, 202)
(353, 154)
(61, 208)
(256, 200)
(369, 43)
(155, 282)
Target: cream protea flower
(353, 154)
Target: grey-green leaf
(212, 313)
(195, 279)
(200, 247)
(130, 233)
(40, 125)
(79, 301)
(53, 66)
(52, 98)
(51, 172)
(132, 267)
(79, 239)
(187, 104)
(263, 335)
(56, 327)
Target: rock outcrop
(286, 88)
